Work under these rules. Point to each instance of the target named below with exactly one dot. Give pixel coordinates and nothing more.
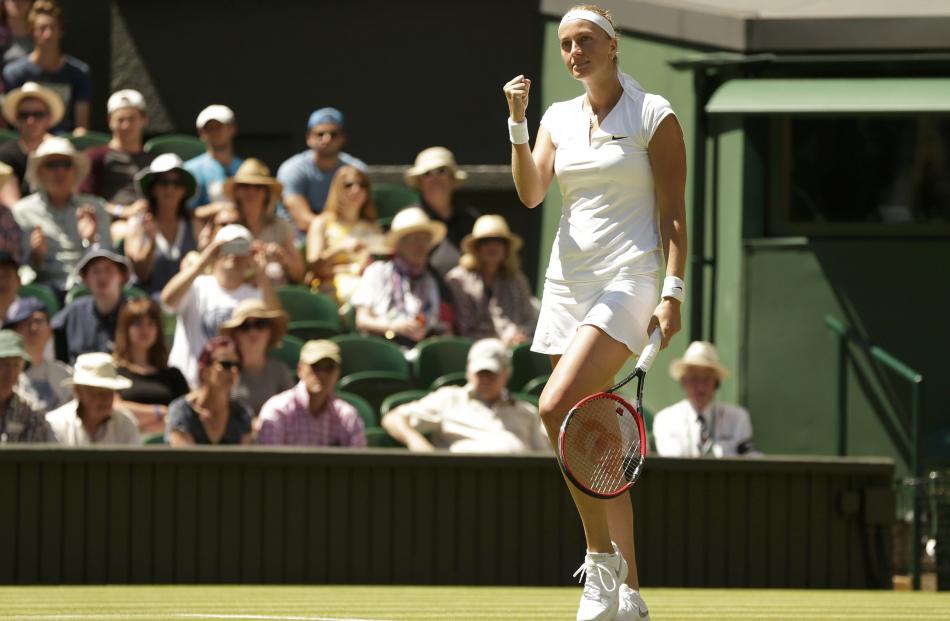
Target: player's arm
(532, 171)
(667, 153)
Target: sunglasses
(324, 366)
(350, 184)
(228, 365)
(58, 164)
(249, 186)
(331, 133)
(441, 170)
(25, 115)
(170, 182)
(254, 324)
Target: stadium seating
(375, 435)
(303, 305)
(42, 293)
(438, 355)
(374, 386)
(288, 352)
(455, 378)
(526, 365)
(536, 385)
(89, 139)
(182, 145)
(389, 199)
(370, 353)
(7, 135)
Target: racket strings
(603, 441)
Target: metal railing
(847, 335)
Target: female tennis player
(620, 162)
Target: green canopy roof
(831, 96)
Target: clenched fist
(516, 92)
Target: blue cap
(325, 115)
(22, 309)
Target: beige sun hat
(699, 354)
(256, 309)
(98, 370)
(320, 349)
(413, 220)
(491, 226)
(255, 172)
(430, 159)
(11, 101)
(50, 147)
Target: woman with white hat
(255, 194)
(158, 240)
(399, 299)
(59, 224)
(436, 176)
(699, 425)
(490, 294)
(620, 161)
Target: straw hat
(413, 220)
(430, 159)
(699, 354)
(255, 172)
(31, 89)
(56, 146)
(97, 370)
(256, 309)
(166, 162)
(490, 226)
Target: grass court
(410, 603)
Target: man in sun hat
(479, 417)
(436, 176)
(113, 166)
(92, 418)
(399, 299)
(59, 224)
(21, 420)
(217, 129)
(699, 425)
(310, 414)
(32, 109)
(307, 175)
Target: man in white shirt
(480, 417)
(699, 425)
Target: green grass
(318, 603)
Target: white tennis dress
(604, 266)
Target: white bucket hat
(97, 370)
(166, 162)
(699, 354)
(11, 101)
(56, 146)
(413, 220)
(491, 226)
(430, 159)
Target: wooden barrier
(219, 515)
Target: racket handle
(650, 351)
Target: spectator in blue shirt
(49, 67)
(307, 176)
(217, 129)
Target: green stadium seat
(154, 438)
(455, 378)
(363, 407)
(90, 139)
(184, 146)
(301, 304)
(80, 290)
(370, 353)
(42, 293)
(374, 386)
(394, 401)
(438, 355)
(288, 352)
(536, 385)
(526, 365)
(313, 329)
(390, 199)
(524, 396)
(6, 135)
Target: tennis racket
(603, 441)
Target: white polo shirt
(678, 430)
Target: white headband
(589, 16)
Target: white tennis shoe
(632, 606)
(602, 573)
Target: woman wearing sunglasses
(208, 414)
(158, 240)
(255, 330)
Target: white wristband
(518, 131)
(673, 287)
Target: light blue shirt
(300, 175)
(209, 172)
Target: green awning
(831, 96)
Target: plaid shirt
(21, 422)
(286, 419)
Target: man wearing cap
(480, 417)
(59, 224)
(307, 176)
(202, 302)
(310, 414)
(32, 109)
(113, 166)
(399, 299)
(92, 418)
(20, 418)
(88, 323)
(700, 426)
(216, 128)
(43, 379)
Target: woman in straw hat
(255, 193)
(32, 109)
(620, 160)
(255, 330)
(340, 236)
(490, 294)
(436, 176)
(158, 240)
(399, 299)
(208, 414)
